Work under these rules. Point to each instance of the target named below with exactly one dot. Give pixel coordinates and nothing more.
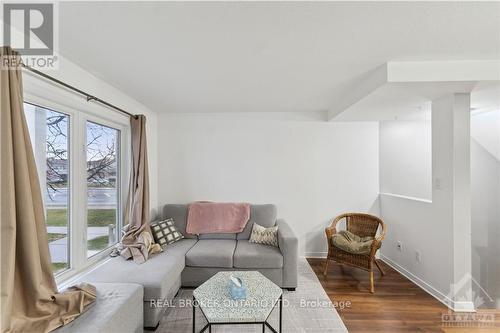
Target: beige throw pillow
(266, 236)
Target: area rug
(308, 309)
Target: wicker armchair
(362, 225)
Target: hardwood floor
(398, 305)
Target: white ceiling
(258, 56)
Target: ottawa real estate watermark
(473, 293)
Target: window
(81, 188)
(102, 187)
(49, 132)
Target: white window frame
(45, 94)
(120, 196)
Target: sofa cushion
(252, 255)
(179, 214)
(117, 309)
(264, 215)
(211, 253)
(156, 275)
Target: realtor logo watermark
(31, 29)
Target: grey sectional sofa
(194, 259)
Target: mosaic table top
(214, 300)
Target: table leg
(281, 312)
(263, 328)
(194, 316)
(209, 328)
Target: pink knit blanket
(217, 217)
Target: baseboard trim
(455, 306)
(464, 307)
(315, 255)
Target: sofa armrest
(288, 244)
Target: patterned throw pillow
(165, 232)
(262, 235)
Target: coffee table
(213, 299)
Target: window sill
(71, 276)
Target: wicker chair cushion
(349, 242)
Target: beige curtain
(137, 242)
(30, 301)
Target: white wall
(406, 206)
(414, 224)
(485, 181)
(485, 129)
(71, 73)
(311, 169)
(406, 158)
(438, 230)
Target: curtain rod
(88, 96)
